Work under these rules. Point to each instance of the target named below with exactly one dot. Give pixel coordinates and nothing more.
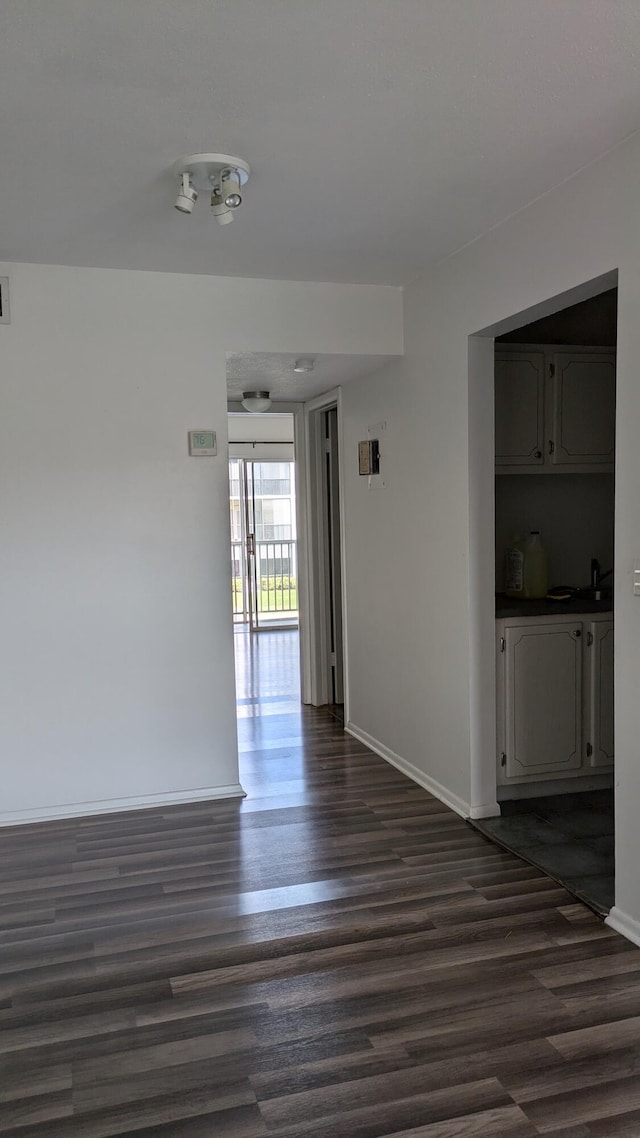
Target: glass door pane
(238, 540)
(264, 543)
(250, 546)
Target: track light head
(230, 188)
(187, 194)
(222, 213)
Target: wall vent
(5, 314)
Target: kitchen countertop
(508, 606)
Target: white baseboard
(487, 810)
(624, 924)
(447, 796)
(118, 805)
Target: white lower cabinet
(599, 709)
(555, 696)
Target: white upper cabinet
(519, 386)
(554, 410)
(584, 409)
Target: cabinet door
(600, 704)
(543, 698)
(519, 413)
(584, 410)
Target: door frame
(316, 551)
(312, 554)
(305, 615)
(251, 551)
(481, 497)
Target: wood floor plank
(600, 1038)
(381, 1116)
(26, 1084)
(32, 1110)
(604, 1101)
(503, 1122)
(337, 956)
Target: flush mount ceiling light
(220, 175)
(256, 401)
(303, 365)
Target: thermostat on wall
(202, 443)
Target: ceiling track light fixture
(303, 365)
(256, 401)
(220, 175)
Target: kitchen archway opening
(543, 587)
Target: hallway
(337, 955)
(267, 672)
(268, 709)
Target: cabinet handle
(552, 446)
(578, 632)
(537, 454)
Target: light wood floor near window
(338, 956)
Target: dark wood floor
(338, 955)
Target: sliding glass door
(264, 544)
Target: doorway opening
(287, 575)
(554, 509)
(264, 543)
(263, 511)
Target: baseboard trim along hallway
(436, 788)
(625, 925)
(120, 805)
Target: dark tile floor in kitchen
(570, 836)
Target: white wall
(406, 573)
(117, 653)
(412, 629)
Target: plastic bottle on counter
(536, 582)
(514, 569)
(526, 568)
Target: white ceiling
(383, 134)
(268, 371)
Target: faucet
(596, 576)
